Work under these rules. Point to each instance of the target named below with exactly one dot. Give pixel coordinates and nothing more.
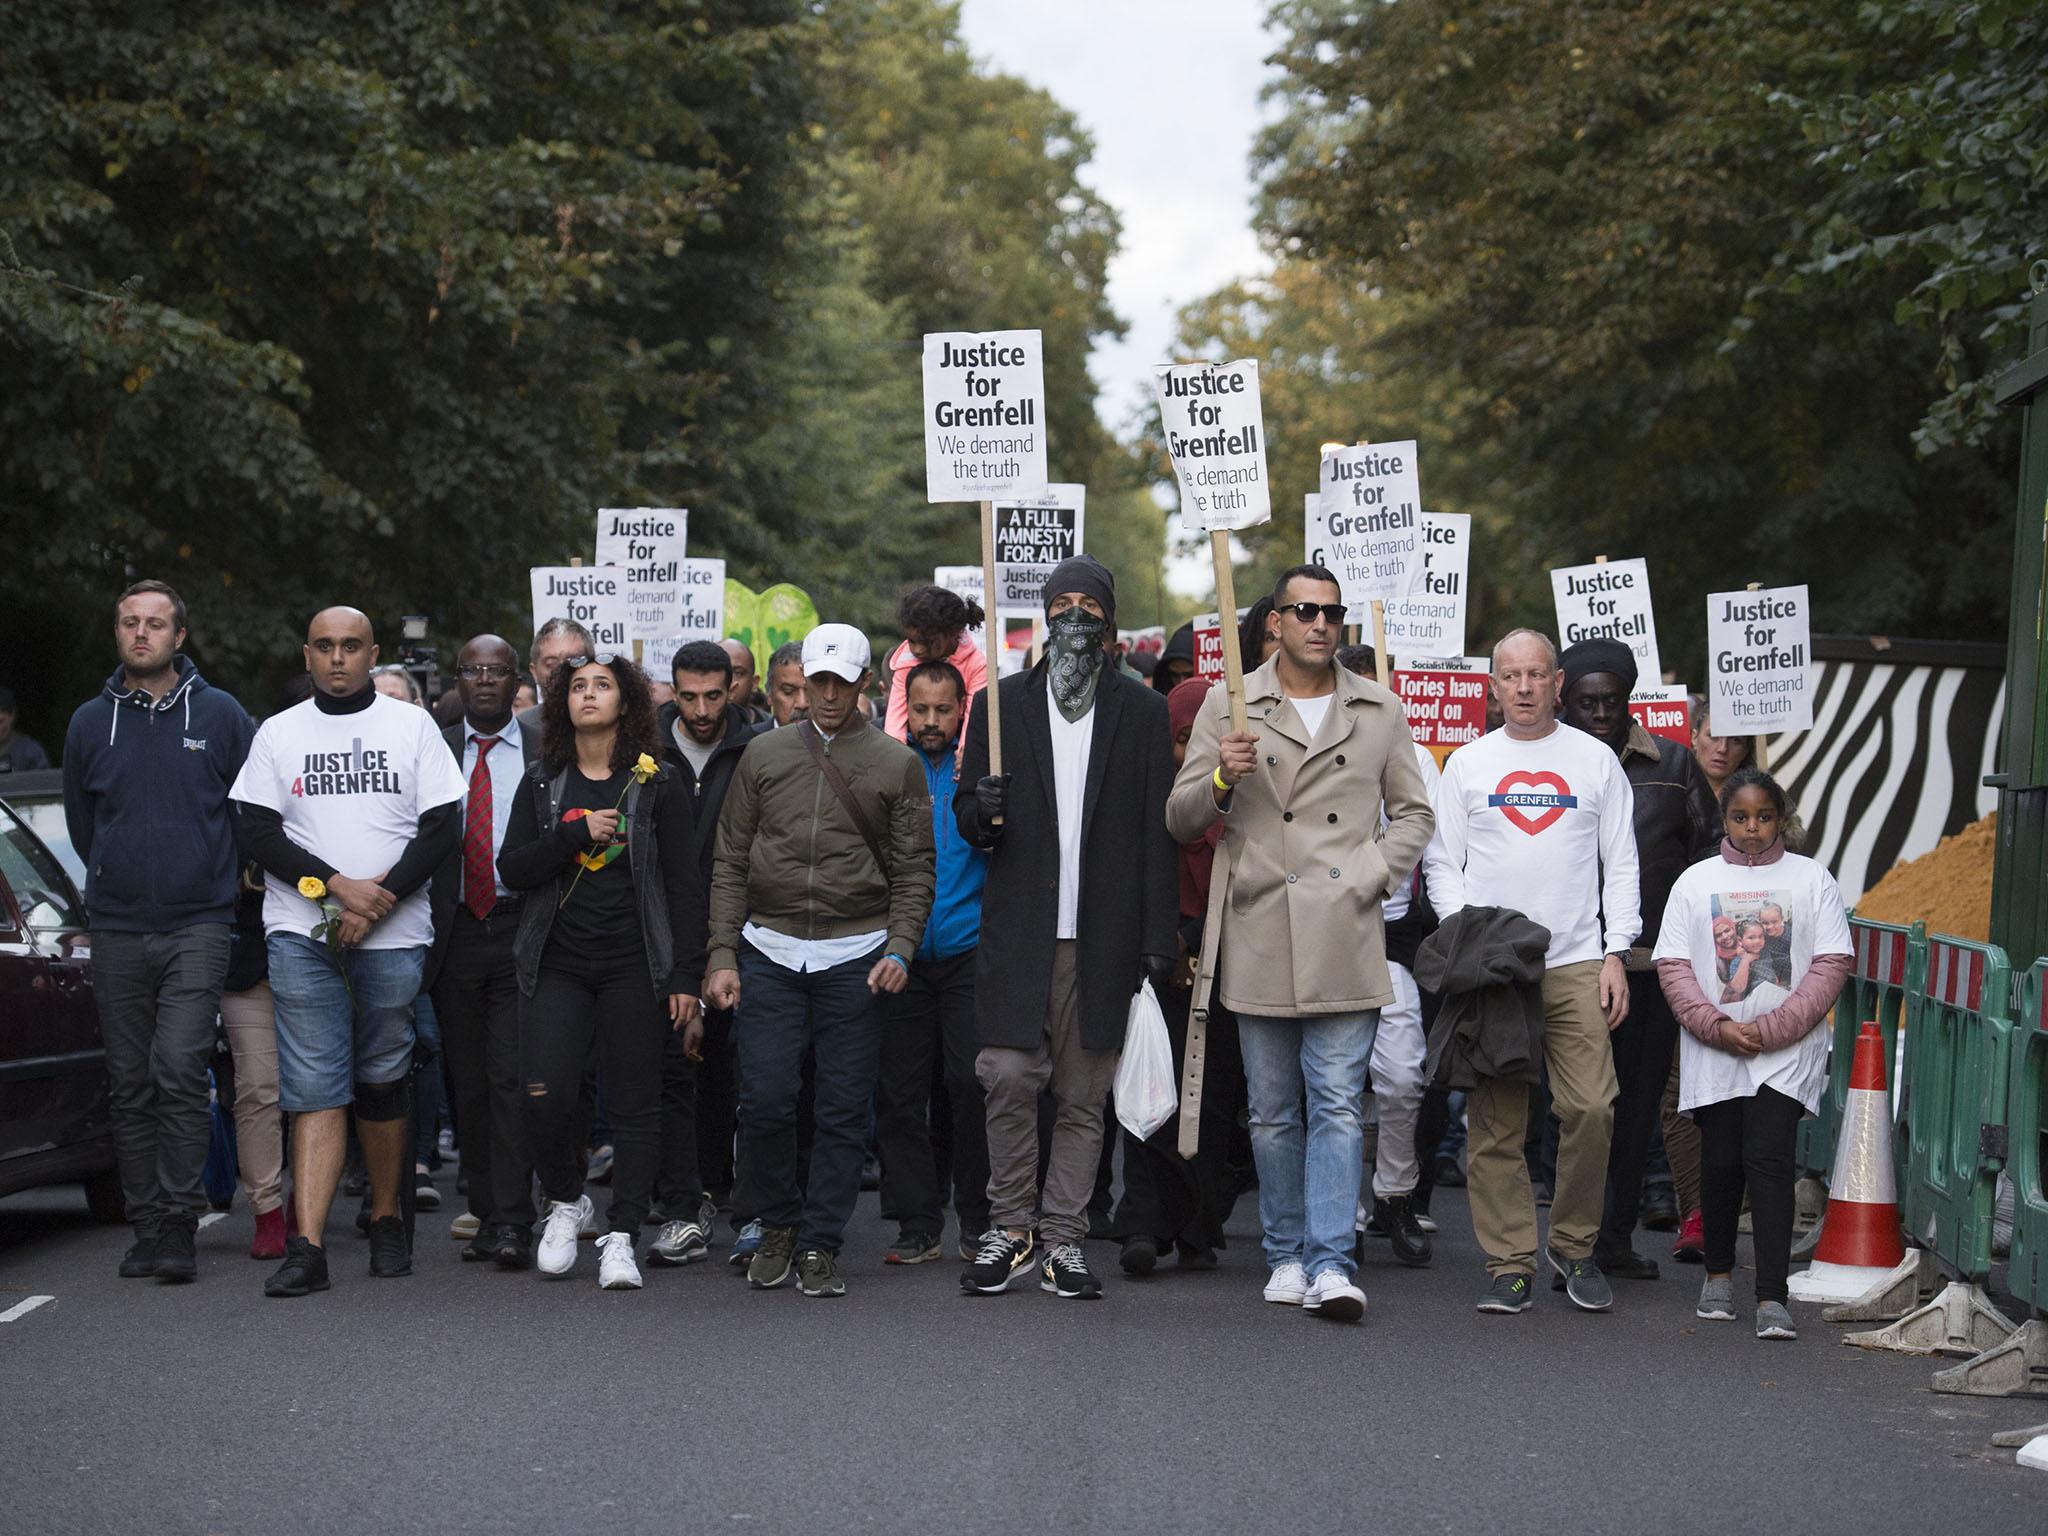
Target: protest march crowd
(737, 944)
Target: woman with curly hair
(934, 622)
(610, 946)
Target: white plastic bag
(1146, 1093)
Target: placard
(1444, 698)
(1609, 601)
(1665, 710)
(649, 544)
(1216, 437)
(699, 613)
(593, 595)
(1208, 647)
(1759, 656)
(1034, 534)
(984, 414)
(1430, 620)
(1368, 519)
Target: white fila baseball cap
(839, 649)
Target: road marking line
(23, 1308)
(210, 1218)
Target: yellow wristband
(1219, 780)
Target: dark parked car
(54, 1121)
(38, 799)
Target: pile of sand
(1949, 889)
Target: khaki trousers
(1582, 1090)
(1080, 1080)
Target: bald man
(743, 692)
(348, 801)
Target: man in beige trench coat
(1295, 936)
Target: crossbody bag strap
(844, 792)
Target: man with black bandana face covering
(1081, 904)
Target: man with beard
(1081, 904)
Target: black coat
(448, 878)
(1486, 965)
(1675, 820)
(707, 793)
(1130, 896)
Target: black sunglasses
(602, 658)
(1306, 612)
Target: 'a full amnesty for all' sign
(1369, 519)
(1759, 659)
(1216, 438)
(984, 414)
(1609, 601)
(1034, 534)
(594, 596)
(1444, 698)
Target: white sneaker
(464, 1227)
(558, 1236)
(1289, 1285)
(1331, 1295)
(616, 1270)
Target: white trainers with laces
(1289, 1285)
(616, 1270)
(1331, 1295)
(565, 1218)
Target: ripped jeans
(579, 1000)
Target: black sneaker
(817, 1274)
(1508, 1293)
(1448, 1174)
(1410, 1243)
(1625, 1264)
(303, 1271)
(1581, 1280)
(513, 1247)
(1065, 1274)
(177, 1259)
(390, 1253)
(139, 1262)
(1000, 1259)
(1140, 1255)
(424, 1196)
(482, 1248)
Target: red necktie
(479, 874)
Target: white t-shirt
(351, 789)
(1312, 711)
(1722, 917)
(1395, 907)
(1545, 828)
(1070, 744)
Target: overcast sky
(1170, 91)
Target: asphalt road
(464, 1399)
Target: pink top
(967, 657)
(1791, 1021)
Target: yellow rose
(312, 887)
(646, 768)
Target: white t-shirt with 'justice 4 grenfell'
(351, 789)
(1545, 828)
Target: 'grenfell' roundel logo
(1536, 806)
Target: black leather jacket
(1676, 822)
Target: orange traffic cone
(1859, 1241)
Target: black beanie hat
(1590, 656)
(1085, 574)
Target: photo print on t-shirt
(1752, 946)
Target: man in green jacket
(820, 886)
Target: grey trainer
(1773, 1321)
(1581, 1281)
(1717, 1299)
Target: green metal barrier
(1958, 1058)
(1890, 965)
(2027, 1124)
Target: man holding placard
(1297, 899)
(1535, 820)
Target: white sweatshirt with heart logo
(1545, 828)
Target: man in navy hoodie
(147, 765)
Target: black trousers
(1642, 1061)
(677, 1183)
(476, 999)
(1749, 1142)
(931, 1021)
(609, 1001)
(1167, 1197)
(717, 1105)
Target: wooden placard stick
(1226, 618)
(992, 640)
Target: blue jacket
(955, 924)
(146, 799)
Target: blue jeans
(334, 1033)
(1308, 1177)
(782, 1015)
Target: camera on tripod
(423, 661)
